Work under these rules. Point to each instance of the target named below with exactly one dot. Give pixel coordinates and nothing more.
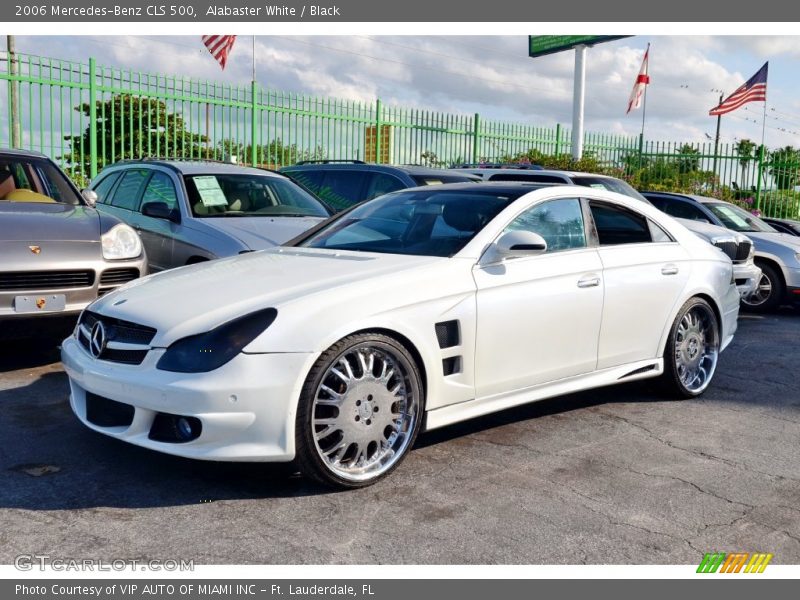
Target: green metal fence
(86, 115)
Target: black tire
(368, 452)
(685, 353)
(769, 293)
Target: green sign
(541, 45)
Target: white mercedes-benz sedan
(409, 312)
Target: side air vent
(451, 365)
(447, 334)
(638, 371)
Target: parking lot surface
(618, 475)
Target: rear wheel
(690, 357)
(360, 411)
(768, 293)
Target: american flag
(752, 90)
(219, 46)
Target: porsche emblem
(40, 302)
(35, 249)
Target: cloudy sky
(492, 75)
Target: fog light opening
(183, 429)
(175, 429)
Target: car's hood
(45, 222)
(769, 241)
(258, 233)
(198, 297)
(710, 232)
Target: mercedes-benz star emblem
(97, 339)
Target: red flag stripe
(219, 46)
(752, 90)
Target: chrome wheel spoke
(696, 346)
(364, 411)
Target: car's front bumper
(792, 277)
(246, 407)
(746, 276)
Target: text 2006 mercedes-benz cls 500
(412, 311)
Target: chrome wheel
(760, 295)
(696, 347)
(365, 411)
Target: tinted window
(683, 210)
(342, 189)
(528, 177)
(311, 179)
(127, 193)
(382, 183)
(160, 189)
(608, 183)
(426, 222)
(25, 179)
(103, 187)
(619, 226)
(737, 218)
(559, 222)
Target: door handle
(669, 270)
(589, 281)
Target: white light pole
(578, 98)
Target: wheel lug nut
(358, 418)
(369, 397)
(358, 402)
(375, 409)
(368, 422)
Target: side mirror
(160, 210)
(90, 196)
(516, 244)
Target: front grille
(743, 252)
(113, 278)
(729, 248)
(46, 280)
(118, 276)
(120, 331)
(104, 412)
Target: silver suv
(737, 246)
(190, 211)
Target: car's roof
(346, 165)
(196, 167)
(19, 152)
(497, 187)
(695, 197)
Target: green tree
(272, 155)
(130, 127)
(744, 150)
(784, 166)
(688, 160)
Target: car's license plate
(43, 303)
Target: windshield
(610, 184)
(249, 195)
(431, 222)
(24, 179)
(738, 219)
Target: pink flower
(748, 201)
(756, 212)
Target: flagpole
(644, 110)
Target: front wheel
(690, 357)
(360, 411)
(768, 293)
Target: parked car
(189, 211)
(57, 253)
(777, 254)
(484, 169)
(343, 183)
(425, 306)
(783, 225)
(737, 246)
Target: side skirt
(478, 407)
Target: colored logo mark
(734, 562)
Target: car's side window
(341, 189)
(103, 187)
(381, 183)
(127, 193)
(616, 225)
(559, 222)
(160, 189)
(684, 210)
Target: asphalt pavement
(618, 475)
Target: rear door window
(616, 225)
(160, 189)
(382, 183)
(341, 189)
(127, 193)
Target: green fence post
(253, 122)
(378, 131)
(558, 138)
(476, 132)
(760, 176)
(92, 120)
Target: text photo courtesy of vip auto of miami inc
(483, 300)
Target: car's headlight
(121, 241)
(208, 351)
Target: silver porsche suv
(58, 253)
